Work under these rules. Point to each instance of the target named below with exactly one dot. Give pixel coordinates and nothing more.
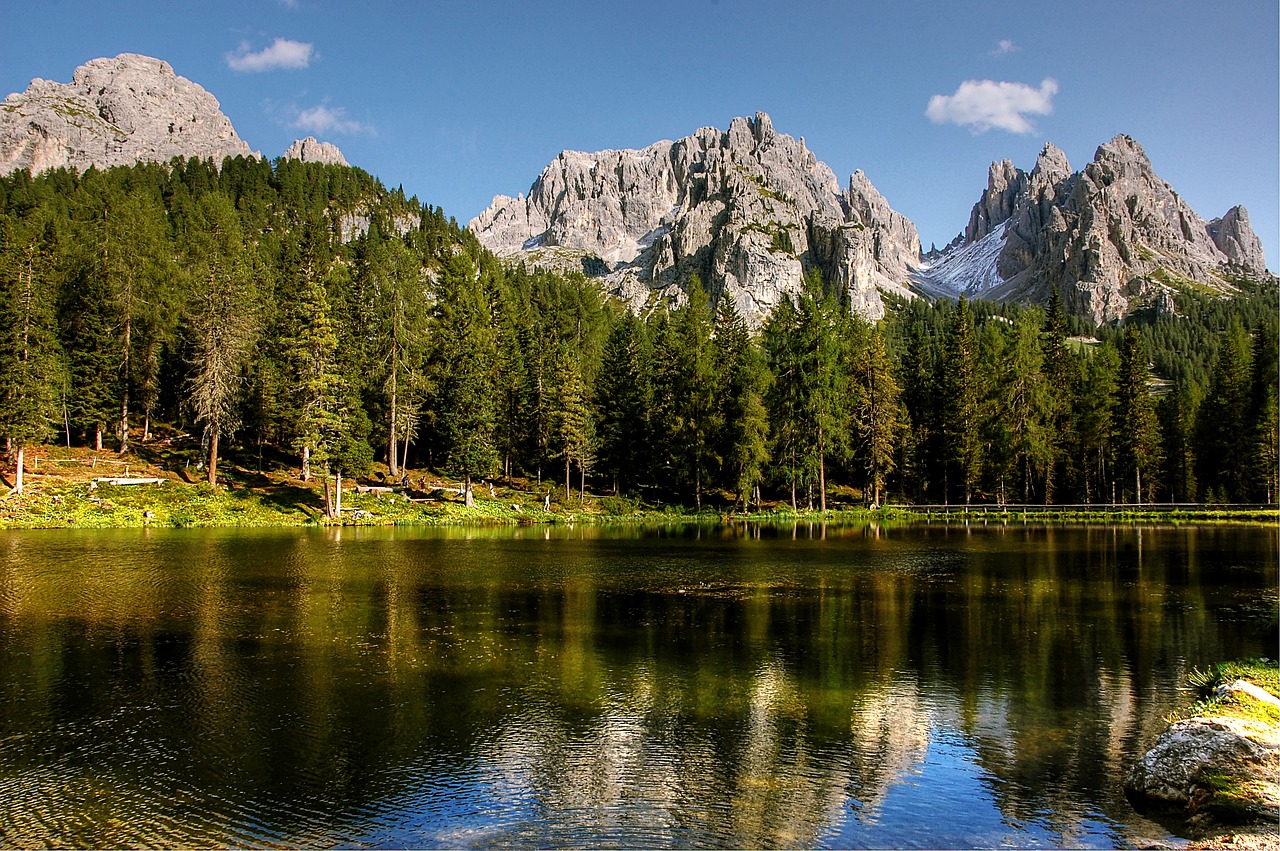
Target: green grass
(1262, 672)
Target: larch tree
(221, 319)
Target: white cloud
(325, 119)
(981, 105)
(283, 53)
(1004, 47)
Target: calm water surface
(918, 686)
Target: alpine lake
(957, 684)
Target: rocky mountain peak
(1052, 166)
(115, 111)
(1112, 237)
(747, 209)
(310, 150)
(1235, 238)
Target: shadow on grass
(292, 498)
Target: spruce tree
(1225, 432)
(1137, 431)
(464, 353)
(958, 386)
(743, 442)
(878, 416)
(29, 357)
(624, 400)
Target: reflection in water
(948, 685)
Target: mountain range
(748, 209)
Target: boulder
(1223, 767)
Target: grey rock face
(747, 209)
(1111, 238)
(1235, 238)
(115, 111)
(309, 150)
(1183, 771)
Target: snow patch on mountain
(970, 269)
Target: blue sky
(460, 101)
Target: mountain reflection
(777, 687)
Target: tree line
(307, 311)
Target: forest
(309, 317)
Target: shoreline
(173, 503)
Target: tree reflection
(728, 685)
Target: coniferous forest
(305, 312)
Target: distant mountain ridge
(750, 209)
(747, 209)
(121, 111)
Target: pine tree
(1093, 445)
(28, 338)
(743, 442)
(1027, 406)
(571, 415)
(309, 346)
(1225, 433)
(696, 389)
(1137, 431)
(878, 417)
(624, 400)
(464, 352)
(958, 386)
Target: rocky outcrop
(1197, 760)
(309, 150)
(1112, 237)
(116, 111)
(747, 209)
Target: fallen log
(129, 480)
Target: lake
(920, 685)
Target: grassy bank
(67, 488)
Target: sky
(461, 101)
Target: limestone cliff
(747, 209)
(309, 150)
(116, 111)
(1112, 238)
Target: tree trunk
(582, 483)
(97, 437)
(468, 499)
(404, 456)
(124, 393)
(17, 484)
(566, 477)
(793, 494)
(822, 480)
(146, 427)
(213, 458)
(391, 429)
(337, 496)
(328, 501)
(306, 464)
